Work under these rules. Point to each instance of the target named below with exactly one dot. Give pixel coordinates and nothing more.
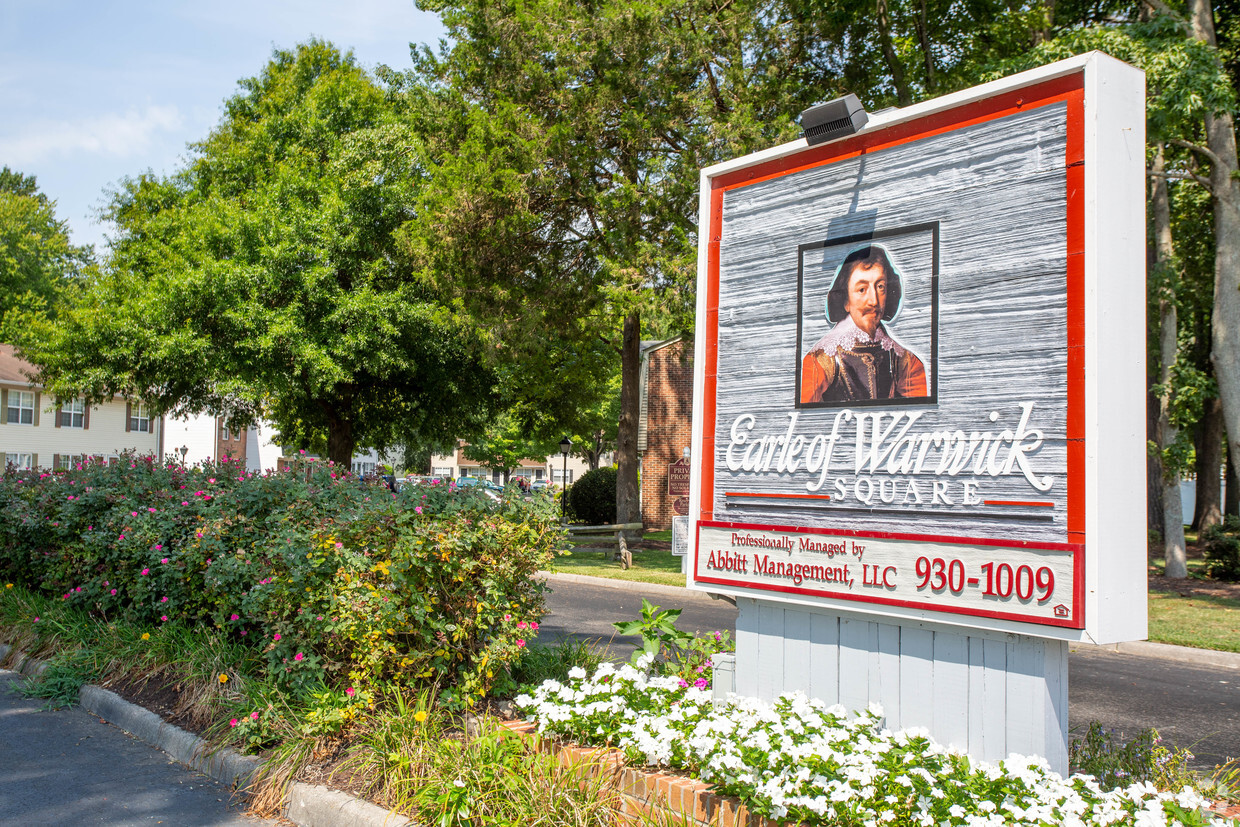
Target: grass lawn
(1199, 621)
(649, 566)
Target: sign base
(988, 694)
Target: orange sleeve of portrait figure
(813, 379)
(912, 379)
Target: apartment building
(39, 431)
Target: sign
(680, 536)
(925, 340)
(680, 506)
(678, 474)
(1036, 583)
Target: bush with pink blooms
(324, 578)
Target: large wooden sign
(920, 363)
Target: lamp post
(566, 445)
(183, 450)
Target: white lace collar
(846, 335)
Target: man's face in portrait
(867, 296)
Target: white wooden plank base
(990, 694)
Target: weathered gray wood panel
(998, 192)
(989, 694)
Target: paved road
(1195, 707)
(65, 767)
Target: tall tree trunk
(1174, 550)
(903, 94)
(1225, 327)
(340, 442)
(1153, 463)
(1206, 511)
(1046, 24)
(628, 503)
(1231, 501)
(927, 54)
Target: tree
(263, 279)
(37, 259)
(504, 444)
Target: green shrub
(1116, 763)
(592, 499)
(326, 580)
(1221, 544)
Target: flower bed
(803, 761)
(326, 580)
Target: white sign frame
(1106, 243)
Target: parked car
(489, 488)
(540, 485)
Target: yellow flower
(420, 717)
(146, 635)
(8, 585)
(223, 678)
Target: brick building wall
(669, 423)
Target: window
(140, 418)
(21, 408)
(73, 414)
(442, 471)
(224, 434)
(557, 476)
(67, 462)
(22, 462)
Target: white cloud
(115, 135)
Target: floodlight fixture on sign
(834, 119)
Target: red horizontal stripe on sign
(778, 496)
(1018, 502)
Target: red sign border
(1068, 89)
(1076, 621)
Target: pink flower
(682, 683)
(299, 656)
(159, 547)
(78, 589)
(151, 510)
(244, 633)
(276, 636)
(198, 534)
(507, 617)
(163, 599)
(339, 545)
(164, 618)
(211, 479)
(114, 591)
(122, 537)
(253, 716)
(145, 572)
(36, 620)
(520, 643)
(233, 722)
(418, 509)
(133, 513)
(184, 502)
(197, 493)
(700, 683)
(521, 624)
(164, 561)
(350, 692)
(533, 626)
(235, 617)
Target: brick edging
(642, 791)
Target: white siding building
(37, 431)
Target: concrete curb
(309, 804)
(1140, 648)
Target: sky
(94, 92)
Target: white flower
(577, 673)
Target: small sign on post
(678, 478)
(680, 536)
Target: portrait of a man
(859, 359)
